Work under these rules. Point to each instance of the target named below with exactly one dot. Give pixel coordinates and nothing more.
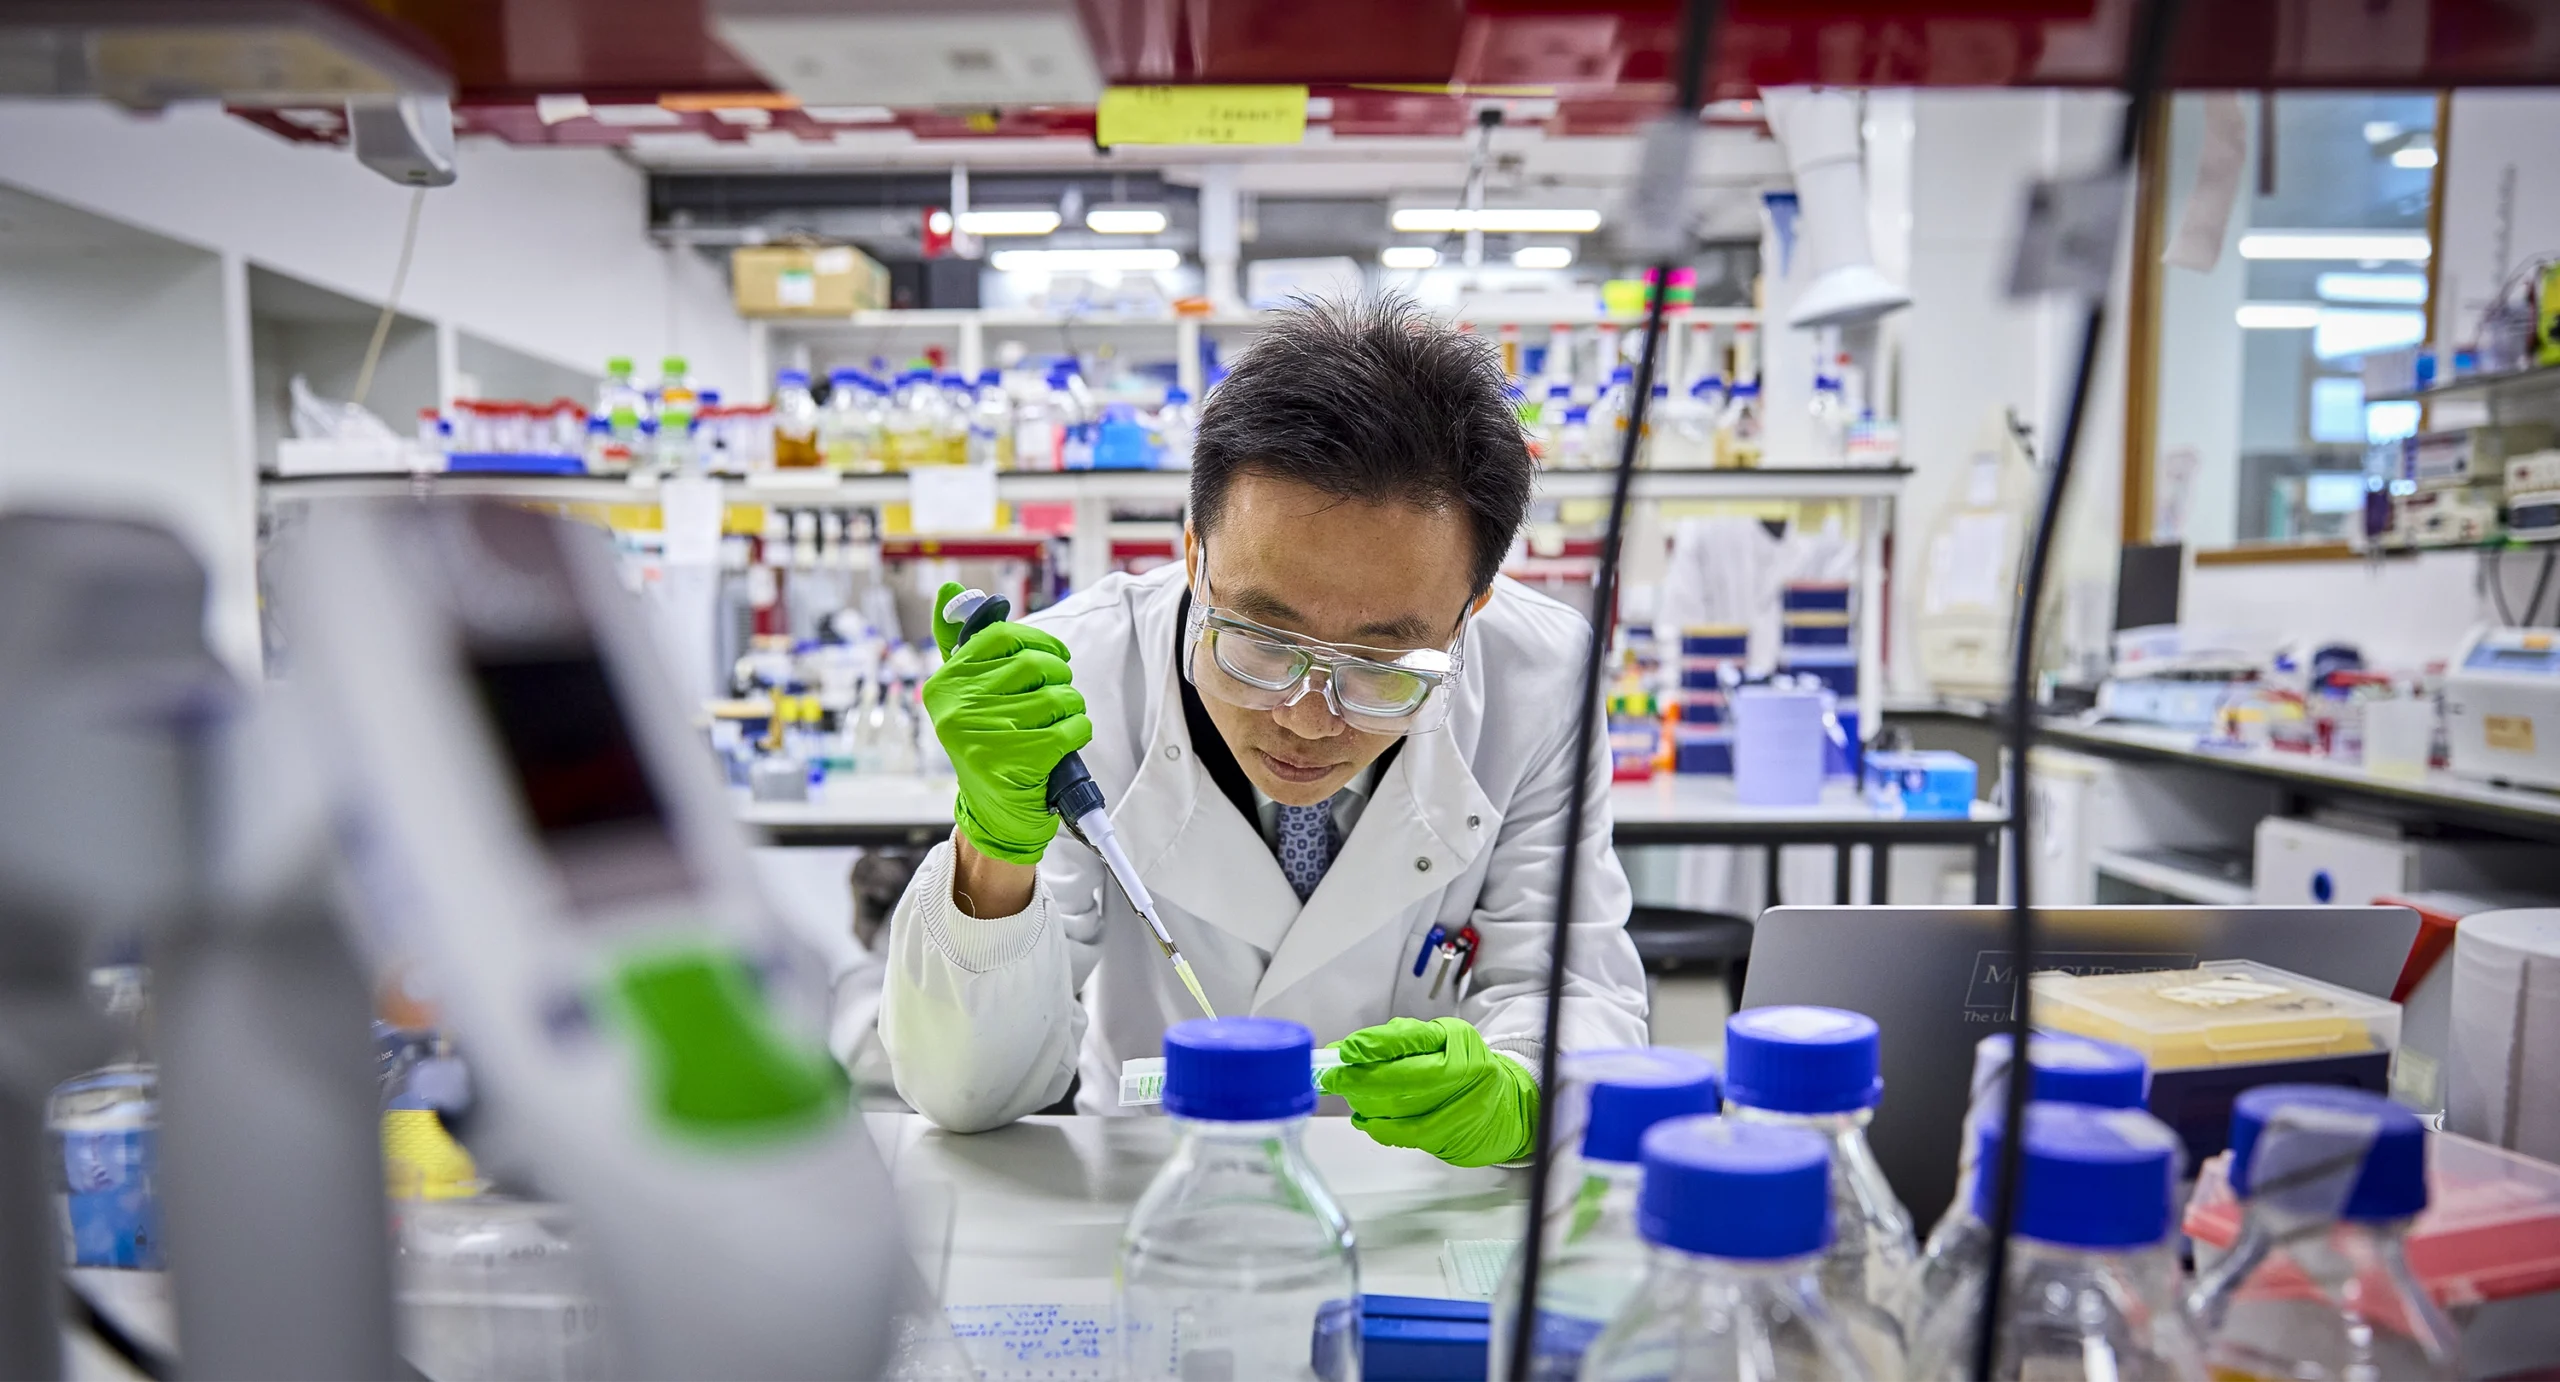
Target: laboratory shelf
(2494, 388)
(1806, 482)
(1026, 487)
(2181, 874)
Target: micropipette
(1078, 802)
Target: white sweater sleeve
(980, 1015)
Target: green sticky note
(1201, 115)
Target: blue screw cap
(1239, 1069)
(1721, 1188)
(2095, 1177)
(1802, 1060)
(1635, 1087)
(2323, 1123)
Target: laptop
(1938, 979)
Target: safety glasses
(1257, 667)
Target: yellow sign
(2509, 733)
(1201, 115)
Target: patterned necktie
(1306, 845)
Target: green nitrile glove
(1004, 711)
(1436, 1086)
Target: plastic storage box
(1922, 782)
(2227, 1026)
(2487, 1249)
(1410, 1338)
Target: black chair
(1671, 940)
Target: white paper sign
(952, 498)
(689, 509)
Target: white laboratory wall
(119, 394)
(2403, 612)
(542, 251)
(1967, 351)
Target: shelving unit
(2182, 874)
(967, 330)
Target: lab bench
(1671, 810)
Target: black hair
(1373, 400)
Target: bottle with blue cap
(1735, 1215)
(2068, 1070)
(2318, 1286)
(1236, 1248)
(2092, 1288)
(1820, 1069)
(1595, 1259)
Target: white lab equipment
(1736, 1215)
(2502, 707)
(2502, 1072)
(2350, 861)
(1819, 1069)
(2318, 1286)
(2068, 1070)
(1595, 1257)
(535, 821)
(2092, 1289)
(1237, 1250)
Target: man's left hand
(1436, 1086)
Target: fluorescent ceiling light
(2346, 331)
(1497, 220)
(2415, 156)
(1072, 261)
(2333, 244)
(850, 115)
(2353, 287)
(1036, 222)
(2278, 316)
(2381, 131)
(1542, 256)
(1409, 257)
(1124, 220)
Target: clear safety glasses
(1380, 690)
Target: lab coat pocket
(1437, 957)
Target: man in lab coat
(1337, 746)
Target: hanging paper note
(1201, 115)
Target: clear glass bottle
(991, 423)
(1237, 1248)
(2318, 1287)
(1548, 434)
(1735, 1215)
(2093, 1271)
(958, 401)
(1738, 445)
(620, 401)
(2068, 1070)
(1595, 1259)
(1818, 1069)
(1036, 421)
(493, 1289)
(842, 445)
(1608, 417)
(795, 422)
(913, 428)
(1573, 440)
(1179, 423)
(676, 398)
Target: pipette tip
(1191, 981)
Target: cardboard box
(806, 281)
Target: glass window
(2263, 331)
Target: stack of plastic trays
(1818, 640)
(1704, 740)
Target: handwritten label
(1201, 115)
(2509, 733)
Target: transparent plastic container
(620, 402)
(1818, 1069)
(493, 1288)
(2223, 1012)
(1734, 1215)
(914, 424)
(1595, 1259)
(991, 423)
(1237, 1248)
(2092, 1287)
(1738, 445)
(2068, 1070)
(2318, 1288)
(676, 398)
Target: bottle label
(111, 1217)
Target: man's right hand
(1006, 713)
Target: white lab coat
(981, 1016)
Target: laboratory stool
(1673, 939)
